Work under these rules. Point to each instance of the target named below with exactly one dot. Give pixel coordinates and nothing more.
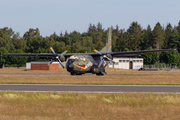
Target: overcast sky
(60, 15)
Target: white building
(28, 65)
(127, 63)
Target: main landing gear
(73, 73)
(99, 74)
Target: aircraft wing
(131, 53)
(114, 54)
(33, 54)
(50, 55)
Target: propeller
(57, 57)
(104, 57)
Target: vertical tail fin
(108, 40)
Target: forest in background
(133, 39)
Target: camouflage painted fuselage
(81, 64)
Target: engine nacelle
(62, 58)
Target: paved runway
(90, 88)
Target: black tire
(73, 73)
(79, 74)
(99, 74)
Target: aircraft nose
(70, 67)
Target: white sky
(60, 15)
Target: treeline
(134, 38)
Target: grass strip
(57, 105)
(53, 77)
(90, 80)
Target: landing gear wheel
(99, 74)
(79, 74)
(73, 73)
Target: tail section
(108, 41)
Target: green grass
(56, 105)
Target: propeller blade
(60, 62)
(101, 62)
(109, 49)
(100, 51)
(62, 53)
(110, 60)
(101, 58)
(51, 62)
(52, 50)
(97, 51)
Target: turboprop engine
(106, 57)
(60, 57)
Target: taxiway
(89, 88)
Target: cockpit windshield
(76, 59)
(71, 61)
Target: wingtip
(51, 48)
(95, 50)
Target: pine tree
(168, 32)
(61, 34)
(174, 40)
(147, 38)
(134, 31)
(178, 27)
(99, 27)
(158, 36)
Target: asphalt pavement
(89, 88)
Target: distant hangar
(127, 63)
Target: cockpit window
(76, 59)
(71, 61)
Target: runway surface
(89, 88)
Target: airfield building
(127, 63)
(42, 66)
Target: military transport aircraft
(95, 63)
